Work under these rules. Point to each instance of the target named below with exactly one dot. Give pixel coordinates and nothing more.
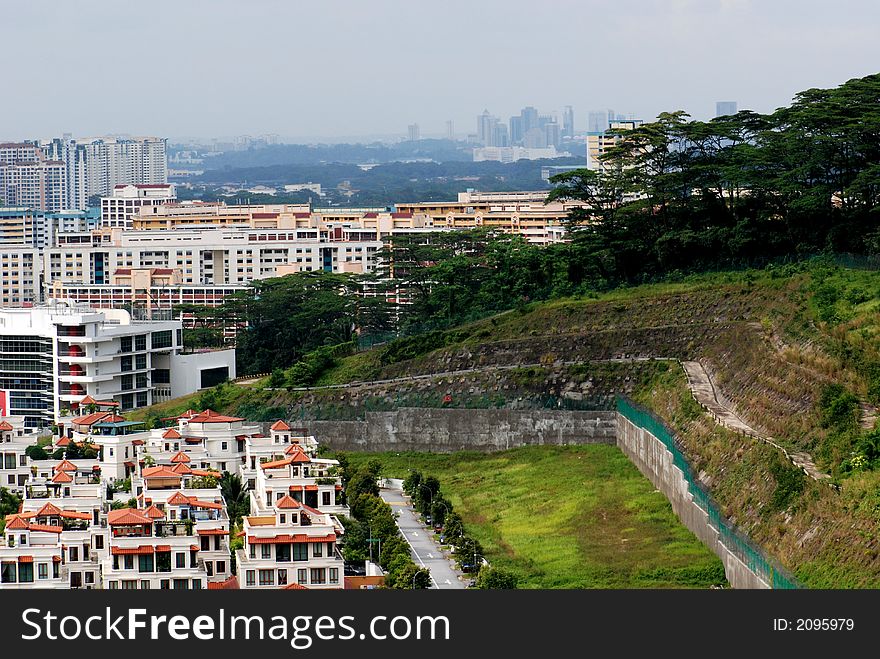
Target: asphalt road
(425, 551)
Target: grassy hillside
(567, 517)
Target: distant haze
(335, 68)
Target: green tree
(236, 497)
(493, 578)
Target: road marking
(430, 555)
(415, 533)
(448, 582)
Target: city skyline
(739, 49)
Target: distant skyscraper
(413, 133)
(516, 129)
(597, 122)
(551, 133)
(486, 128)
(500, 137)
(723, 108)
(568, 122)
(450, 130)
(529, 118)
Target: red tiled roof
(72, 514)
(179, 499)
(296, 455)
(205, 472)
(126, 517)
(180, 456)
(210, 416)
(64, 441)
(285, 538)
(44, 528)
(90, 419)
(279, 425)
(171, 433)
(205, 504)
(16, 522)
(159, 471)
(212, 532)
(64, 465)
(5, 425)
(276, 464)
(25, 559)
(401, 215)
(163, 547)
(49, 509)
(193, 547)
(287, 502)
(56, 559)
(230, 584)
(129, 463)
(62, 477)
(264, 216)
(154, 513)
(181, 468)
(122, 551)
(137, 442)
(294, 586)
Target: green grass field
(567, 517)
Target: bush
(790, 483)
(838, 408)
(36, 452)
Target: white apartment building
(292, 533)
(127, 200)
(53, 356)
(15, 467)
(599, 143)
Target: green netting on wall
(733, 540)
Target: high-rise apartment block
(568, 122)
(29, 178)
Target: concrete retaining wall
(447, 430)
(654, 460)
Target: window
(22, 460)
(206, 542)
(301, 576)
(197, 584)
(334, 575)
(90, 577)
(161, 339)
(129, 560)
(163, 561)
(125, 344)
(181, 584)
(180, 560)
(267, 577)
(161, 376)
(317, 549)
(318, 575)
(8, 572)
(300, 551)
(221, 567)
(25, 573)
(74, 555)
(145, 585)
(249, 578)
(282, 577)
(140, 362)
(129, 584)
(125, 363)
(325, 498)
(140, 342)
(164, 584)
(43, 571)
(141, 399)
(141, 380)
(145, 563)
(224, 446)
(265, 551)
(282, 553)
(126, 382)
(253, 552)
(113, 585)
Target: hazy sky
(356, 67)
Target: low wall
(655, 461)
(445, 430)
